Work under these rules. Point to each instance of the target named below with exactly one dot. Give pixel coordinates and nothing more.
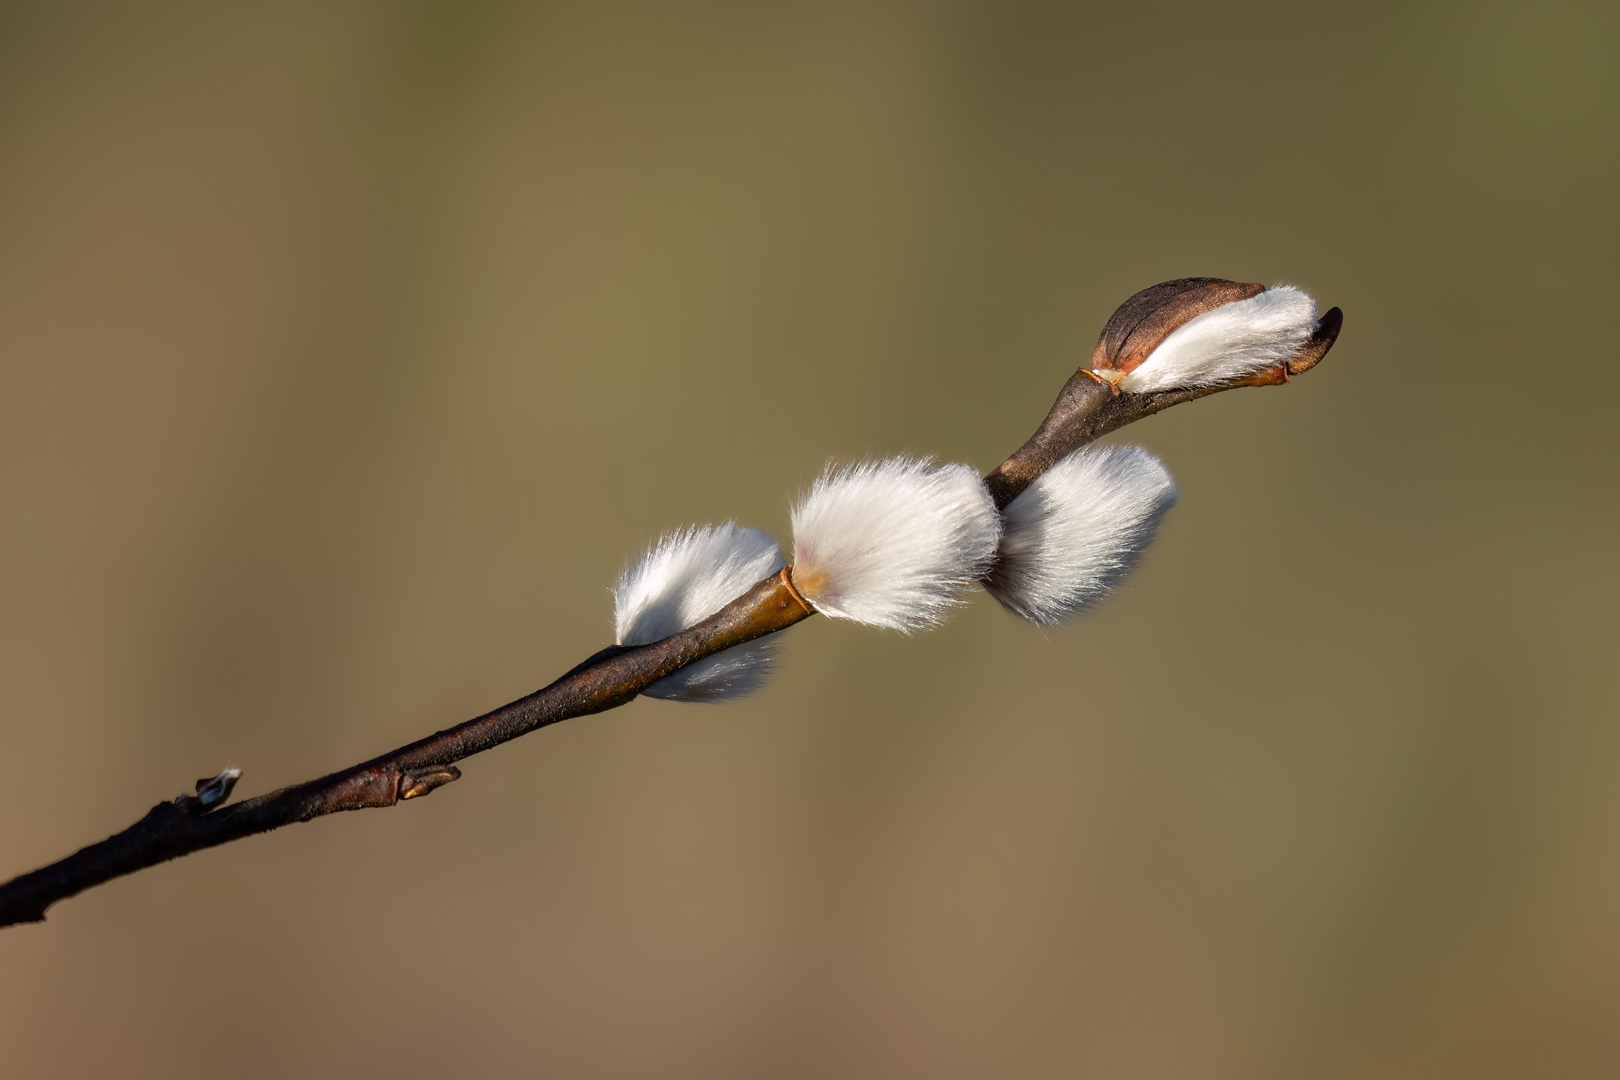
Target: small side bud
(1197, 332)
(418, 782)
(682, 580)
(211, 791)
(894, 543)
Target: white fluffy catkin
(893, 543)
(682, 580)
(1078, 529)
(1236, 339)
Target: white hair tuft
(1234, 340)
(893, 543)
(1075, 532)
(682, 580)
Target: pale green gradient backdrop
(347, 351)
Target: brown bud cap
(1140, 324)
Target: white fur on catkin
(1236, 339)
(893, 543)
(682, 580)
(1078, 529)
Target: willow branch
(1085, 410)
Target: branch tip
(1327, 332)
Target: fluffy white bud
(682, 580)
(1234, 340)
(1078, 529)
(893, 543)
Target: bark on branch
(1085, 410)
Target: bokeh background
(348, 351)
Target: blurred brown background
(347, 352)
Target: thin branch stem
(607, 680)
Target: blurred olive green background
(348, 351)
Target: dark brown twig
(607, 680)
(1085, 410)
